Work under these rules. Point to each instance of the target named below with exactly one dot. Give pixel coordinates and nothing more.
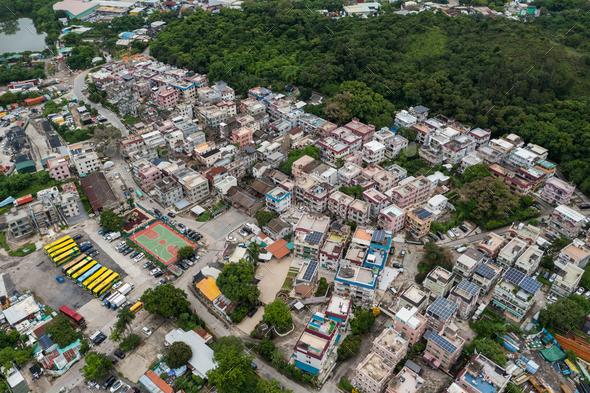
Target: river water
(19, 35)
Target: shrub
(130, 342)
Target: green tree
(129, 342)
(272, 386)
(266, 348)
(278, 313)
(362, 322)
(564, 314)
(131, 202)
(185, 252)
(355, 191)
(490, 349)
(253, 252)
(179, 354)
(349, 347)
(61, 332)
(476, 172)
(263, 217)
(8, 356)
(235, 282)
(111, 221)
(225, 342)
(165, 301)
(97, 367)
(124, 318)
(561, 242)
(233, 373)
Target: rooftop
(442, 308)
(406, 381)
(569, 213)
(376, 367)
(414, 294)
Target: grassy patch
(29, 247)
(431, 43)
(205, 216)
(288, 284)
(3, 240)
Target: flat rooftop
(377, 367)
(392, 341)
(406, 381)
(357, 274)
(414, 294)
(339, 305)
(311, 343)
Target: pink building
(411, 192)
(377, 200)
(296, 168)
(364, 131)
(558, 191)
(391, 219)
(58, 168)
(390, 345)
(148, 176)
(372, 171)
(443, 349)
(495, 378)
(410, 323)
(355, 158)
(243, 136)
(166, 97)
(338, 203)
(441, 313)
(385, 181)
(326, 128)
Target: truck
(126, 288)
(86, 247)
(113, 236)
(118, 301)
(107, 301)
(22, 200)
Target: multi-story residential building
(575, 253)
(364, 131)
(166, 97)
(354, 158)
(566, 222)
(339, 310)
(19, 223)
(377, 200)
(349, 172)
(209, 158)
(404, 119)
(411, 191)
(357, 281)
(58, 168)
(278, 200)
(413, 297)
(392, 218)
(316, 344)
(567, 280)
(168, 191)
(331, 253)
(468, 262)
(385, 181)
(395, 144)
(529, 260)
(465, 295)
(130, 145)
(338, 203)
(68, 202)
(515, 293)
(456, 149)
(390, 345)
(332, 150)
(310, 233)
(521, 158)
(306, 280)
(443, 349)
(373, 373)
(528, 233)
(373, 152)
(439, 281)
(490, 154)
(193, 140)
(491, 245)
(480, 136)
(406, 381)
(538, 150)
(481, 375)
(153, 139)
(410, 323)
(299, 164)
(440, 314)
(186, 90)
(469, 160)
(148, 175)
(558, 191)
(502, 145)
(517, 184)
(243, 136)
(354, 142)
(418, 221)
(312, 193)
(419, 111)
(510, 253)
(359, 212)
(195, 187)
(222, 187)
(85, 158)
(546, 167)
(486, 276)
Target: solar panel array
(443, 308)
(311, 268)
(378, 236)
(442, 342)
(314, 237)
(423, 214)
(486, 271)
(527, 283)
(469, 287)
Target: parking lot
(225, 224)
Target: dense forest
(530, 78)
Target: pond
(19, 35)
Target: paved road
(79, 83)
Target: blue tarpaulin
(6, 201)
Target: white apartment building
(373, 152)
(522, 158)
(154, 139)
(69, 205)
(529, 260)
(394, 145)
(278, 200)
(195, 187)
(168, 190)
(85, 159)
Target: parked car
(252, 311)
(397, 265)
(172, 215)
(158, 213)
(161, 282)
(146, 331)
(117, 284)
(580, 291)
(455, 231)
(403, 253)
(101, 232)
(231, 239)
(116, 175)
(254, 366)
(134, 254)
(59, 279)
(104, 295)
(145, 265)
(181, 225)
(77, 237)
(118, 385)
(159, 274)
(584, 206)
(127, 251)
(587, 295)
(139, 257)
(110, 380)
(553, 277)
(120, 354)
(450, 234)
(243, 233)
(156, 270)
(126, 389)
(440, 235)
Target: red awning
(431, 360)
